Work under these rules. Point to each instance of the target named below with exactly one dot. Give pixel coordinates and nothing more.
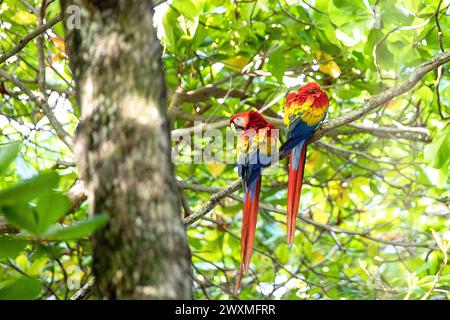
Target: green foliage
(22, 289)
(10, 248)
(8, 153)
(394, 185)
(370, 200)
(437, 153)
(80, 230)
(35, 207)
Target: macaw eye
(237, 125)
(239, 121)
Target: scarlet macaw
(256, 149)
(303, 112)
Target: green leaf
(277, 64)
(187, 8)
(23, 289)
(282, 252)
(23, 17)
(21, 216)
(260, 28)
(425, 94)
(80, 230)
(437, 153)
(385, 58)
(50, 208)
(10, 248)
(8, 153)
(37, 266)
(372, 249)
(29, 189)
(170, 25)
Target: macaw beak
(235, 128)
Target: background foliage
(375, 204)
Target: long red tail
(249, 220)
(295, 181)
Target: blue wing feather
(298, 132)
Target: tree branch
(204, 93)
(85, 291)
(5, 228)
(376, 101)
(62, 134)
(212, 202)
(403, 132)
(389, 130)
(227, 192)
(211, 90)
(24, 41)
(369, 105)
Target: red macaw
(303, 112)
(256, 149)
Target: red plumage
(254, 129)
(304, 110)
(295, 183)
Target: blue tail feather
(297, 152)
(251, 189)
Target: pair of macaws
(304, 110)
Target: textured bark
(123, 152)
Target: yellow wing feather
(308, 114)
(263, 140)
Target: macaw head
(249, 120)
(309, 91)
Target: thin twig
(62, 134)
(25, 40)
(85, 291)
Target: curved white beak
(233, 127)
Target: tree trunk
(123, 151)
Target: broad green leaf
(187, 8)
(372, 249)
(80, 230)
(282, 253)
(37, 266)
(10, 248)
(23, 289)
(237, 63)
(170, 24)
(50, 208)
(277, 64)
(437, 153)
(29, 189)
(22, 261)
(425, 94)
(385, 58)
(22, 216)
(8, 153)
(23, 17)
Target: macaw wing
(242, 155)
(255, 151)
(267, 147)
(302, 119)
(293, 117)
